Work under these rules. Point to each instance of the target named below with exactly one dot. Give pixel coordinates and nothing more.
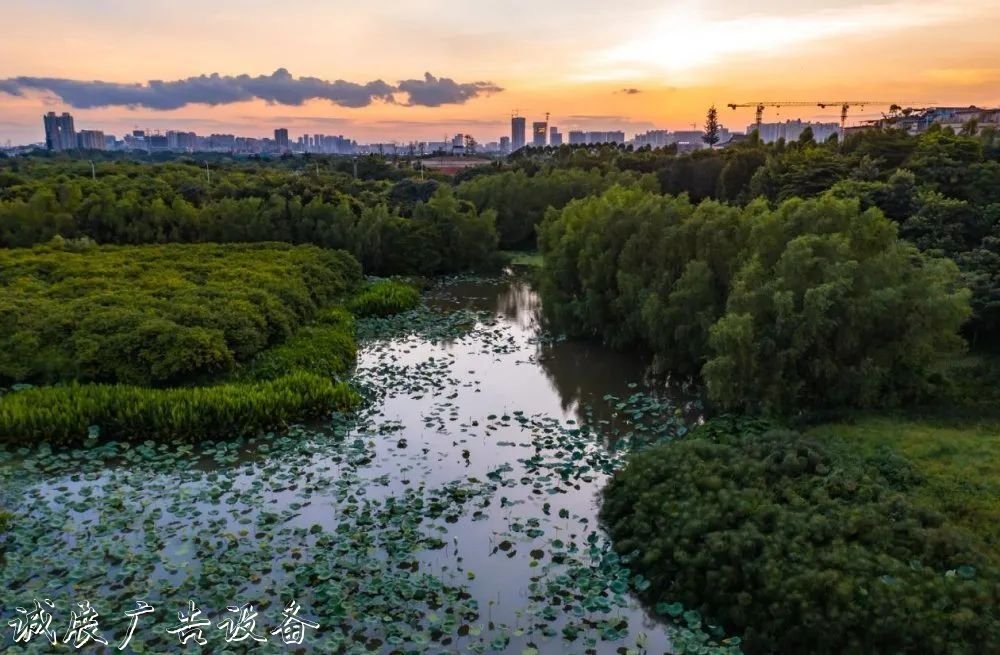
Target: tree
(711, 136)
(832, 309)
(806, 138)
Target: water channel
(458, 513)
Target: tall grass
(63, 414)
(384, 298)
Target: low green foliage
(325, 347)
(65, 414)
(170, 300)
(801, 547)
(527, 258)
(156, 315)
(384, 298)
(958, 459)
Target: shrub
(325, 347)
(64, 414)
(157, 315)
(384, 298)
(800, 548)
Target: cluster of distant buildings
(916, 121)
(61, 134)
(542, 135)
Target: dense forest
(406, 227)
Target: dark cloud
(631, 91)
(10, 87)
(281, 87)
(436, 91)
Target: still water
(458, 513)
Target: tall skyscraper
(505, 145)
(281, 139)
(518, 127)
(59, 132)
(540, 132)
(90, 139)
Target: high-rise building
(577, 138)
(281, 139)
(790, 131)
(505, 145)
(540, 130)
(59, 132)
(90, 140)
(555, 136)
(185, 141)
(605, 137)
(518, 126)
(654, 139)
(157, 142)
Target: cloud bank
(281, 87)
(434, 92)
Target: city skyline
(385, 72)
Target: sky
(384, 70)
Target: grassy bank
(530, 258)
(957, 459)
(878, 534)
(300, 316)
(65, 414)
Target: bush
(292, 381)
(800, 548)
(64, 414)
(325, 347)
(384, 298)
(157, 315)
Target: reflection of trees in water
(519, 303)
(583, 372)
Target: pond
(456, 513)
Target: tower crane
(845, 105)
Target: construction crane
(845, 105)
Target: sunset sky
(629, 64)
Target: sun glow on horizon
(685, 39)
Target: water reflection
(581, 373)
(478, 427)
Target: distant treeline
(941, 188)
(409, 227)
